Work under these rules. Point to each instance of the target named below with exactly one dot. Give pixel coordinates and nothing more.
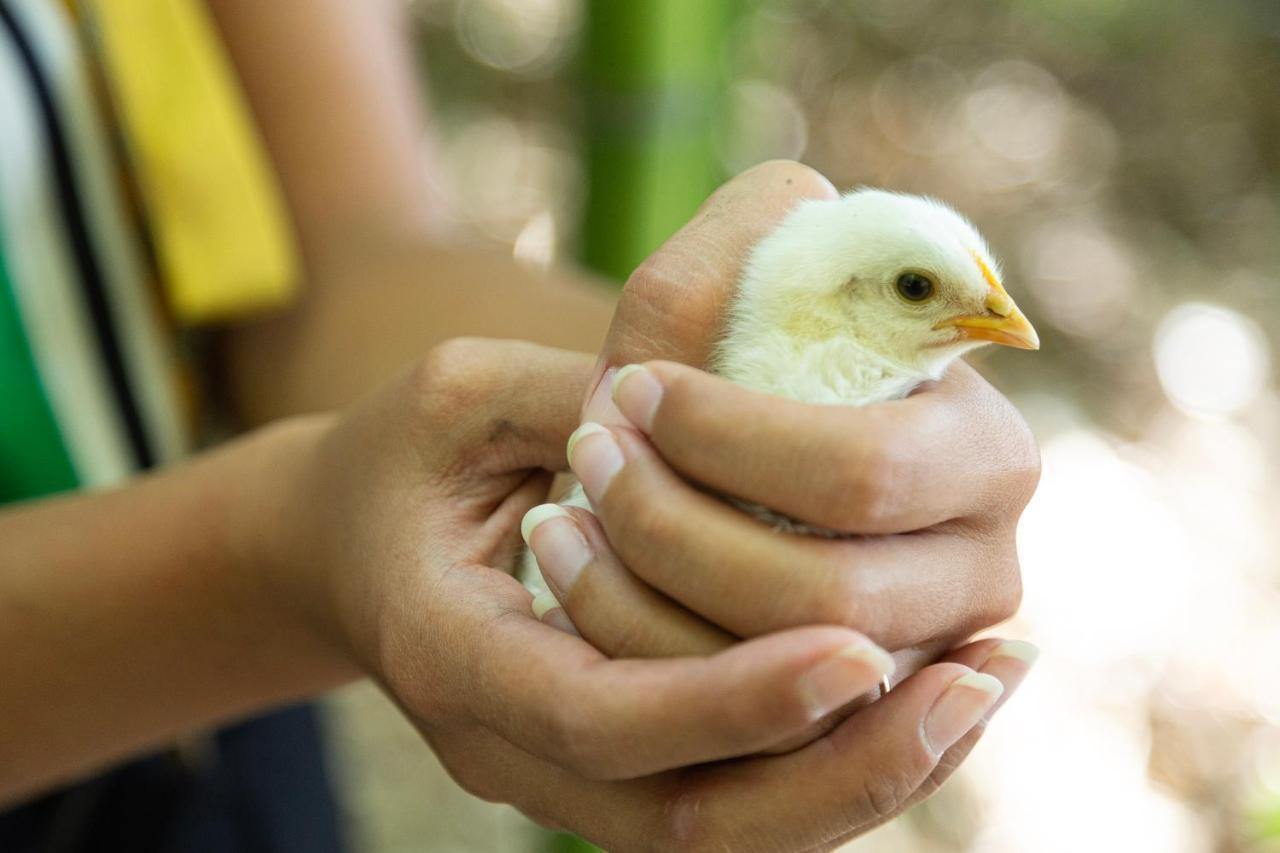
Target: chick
(855, 301)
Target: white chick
(856, 301)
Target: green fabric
(33, 459)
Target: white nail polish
(980, 681)
(537, 515)
(543, 603)
(1018, 650)
(589, 428)
(623, 373)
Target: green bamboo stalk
(653, 84)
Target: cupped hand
(393, 538)
(932, 486)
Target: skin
(934, 483)
(380, 277)
(376, 543)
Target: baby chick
(855, 301)
(861, 299)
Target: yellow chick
(854, 301)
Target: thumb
(673, 304)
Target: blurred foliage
(1120, 154)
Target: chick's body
(856, 301)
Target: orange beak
(1002, 323)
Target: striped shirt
(135, 204)
(94, 286)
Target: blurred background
(1123, 158)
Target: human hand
(934, 484)
(392, 539)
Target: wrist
(273, 536)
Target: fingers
(554, 696)
(874, 767)
(741, 575)
(610, 607)
(862, 774)
(956, 450)
(1008, 660)
(672, 304)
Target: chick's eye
(914, 287)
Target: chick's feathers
(820, 316)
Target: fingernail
(558, 619)
(544, 601)
(595, 461)
(537, 515)
(838, 680)
(600, 408)
(559, 547)
(1018, 650)
(548, 611)
(1011, 663)
(637, 393)
(960, 708)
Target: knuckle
(843, 600)
(580, 745)
(479, 786)
(1024, 456)
(642, 521)
(569, 739)
(886, 791)
(868, 488)
(996, 585)
(1008, 591)
(685, 825)
(1021, 462)
(451, 369)
(680, 402)
(468, 776)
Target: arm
(332, 85)
(284, 563)
(129, 617)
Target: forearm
(333, 90)
(383, 309)
(129, 617)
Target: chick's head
(902, 277)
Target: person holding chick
(378, 541)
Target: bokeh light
(524, 36)
(766, 123)
(1211, 361)
(1082, 277)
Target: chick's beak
(1002, 323)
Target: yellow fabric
(214, 207)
